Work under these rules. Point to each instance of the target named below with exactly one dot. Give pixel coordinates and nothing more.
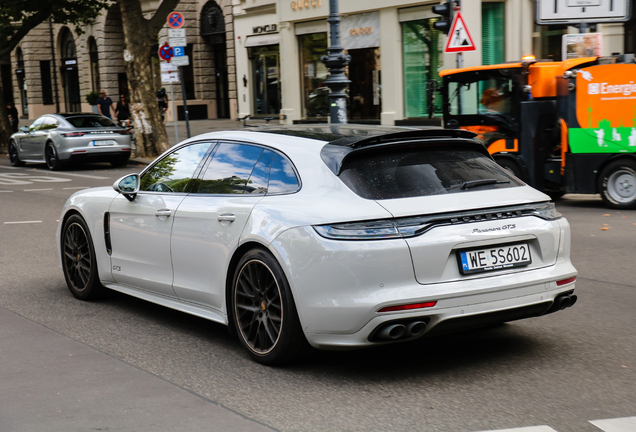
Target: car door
(41, 136)
(140, 229)
(28, 143)
(210, 221)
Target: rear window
(421, 172)
(90, 122)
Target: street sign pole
(185, 101)
(174, 113)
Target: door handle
(163, 212)
(226, 218)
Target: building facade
(53, 68)
(263, 57)
(394, 51)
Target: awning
(262, 40)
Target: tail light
(73, 134)
(408, 307)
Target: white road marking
(5, 191)
(526, 429)
(87, 176)
(78, 187)
(22, 222)
(625, 424)
(34, 190)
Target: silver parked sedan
(59, 139)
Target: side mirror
(128, 186)
(24, 129)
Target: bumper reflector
(566, 281)
(408, 307)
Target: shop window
(630, 36)
(47, 86)
(423, 49)
(492, 33)
(266, 79)
(315, 93)
(188, 75)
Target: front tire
(79, 261)
(263, 310)
(52, 160)
(617, 184)
(14, 157)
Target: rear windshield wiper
(481, 182)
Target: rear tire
(119, 163)
(79, 262)
(617, 184)
(52, 160)
(14, 157)
(263, 310)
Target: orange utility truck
(563, 127)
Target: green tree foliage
(18, 17)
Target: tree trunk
(5, 125)
(140, 34)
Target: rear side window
(90, 122)
(412, 172)
(282, 178)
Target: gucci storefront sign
(305, 4)
(361, 30)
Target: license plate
(105, 143)
(494, 258)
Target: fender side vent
(109, 247)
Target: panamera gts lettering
(501, 228)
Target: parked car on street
(334, 237)
(61, 139)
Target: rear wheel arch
(602, 166)
(612, 176)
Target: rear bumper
(101, 156)
(442, 320)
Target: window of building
(492, 33)
(315, 94)
(423, 50)
(94, 58)
(47, 84)
(188, 75)
(630, 35)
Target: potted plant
(91, 99)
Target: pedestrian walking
(123, 110)
(105, 105)
(14, 117)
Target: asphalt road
(561, 370)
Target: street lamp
(336, 61)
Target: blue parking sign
(179, 51)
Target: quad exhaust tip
(395, 331)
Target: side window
(49, 123)
(230, 169)
(174, 171)
(282, 178)
(36, 124)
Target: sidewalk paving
(53, 383)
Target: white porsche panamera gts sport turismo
(333, 237)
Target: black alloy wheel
(264, 313)
(78, 260)
(52, 161)
(14, 157)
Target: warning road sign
(459, 38)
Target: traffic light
(446, 11)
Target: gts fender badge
(494, 229)
(116, 268)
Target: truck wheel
(617, 184)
